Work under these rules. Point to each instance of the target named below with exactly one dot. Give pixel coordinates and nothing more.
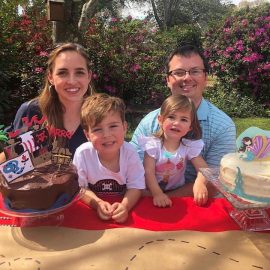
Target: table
(185, 237)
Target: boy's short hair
(96, 107)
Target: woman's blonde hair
(49, 102)
(180, 103)
(96, 107)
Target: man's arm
(224, 143)
(146, 127)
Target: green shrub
(239, 52)
(24, 41)
(129, 55)
(233, 103)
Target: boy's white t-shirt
(101, 180)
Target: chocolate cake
(38, 173)
(47, 186)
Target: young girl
(166, 153)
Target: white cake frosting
(247, 179)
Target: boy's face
(108, 136)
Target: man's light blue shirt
(218, 134)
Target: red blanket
(183, 215)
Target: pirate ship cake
(247, 172)
(36, 174)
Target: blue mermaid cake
(246, 173)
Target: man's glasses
(194, 72)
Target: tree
(77, 15)
(168, 13)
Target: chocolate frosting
(40, 188)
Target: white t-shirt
(170, 167)
(103, 181)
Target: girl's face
(176, 124)
(70, 76)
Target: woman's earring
(51, 89)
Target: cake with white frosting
(246, 173)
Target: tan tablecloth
(56, 248)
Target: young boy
(107, 165)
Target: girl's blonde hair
(182, 103)
(49, 102)
(96, 107)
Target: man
(187, 71)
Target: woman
(67, 83)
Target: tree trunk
(88, 11)
(159, 22)
(67, 30)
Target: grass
(244, 123)
(241, 125)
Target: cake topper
(254, 144)
(33, 145)
(61, 155)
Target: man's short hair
(186, 51)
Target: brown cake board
(128, 248)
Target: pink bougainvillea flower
(225, 54)
(110, 89)
(39, 69)
(240, 48)
(252, 58)
(113, 19)
(244, 22)
(229, 49)
(135, 68)
(239, 42)
(43, 53)
(237, 56)
(266, 66)
(259, 31)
